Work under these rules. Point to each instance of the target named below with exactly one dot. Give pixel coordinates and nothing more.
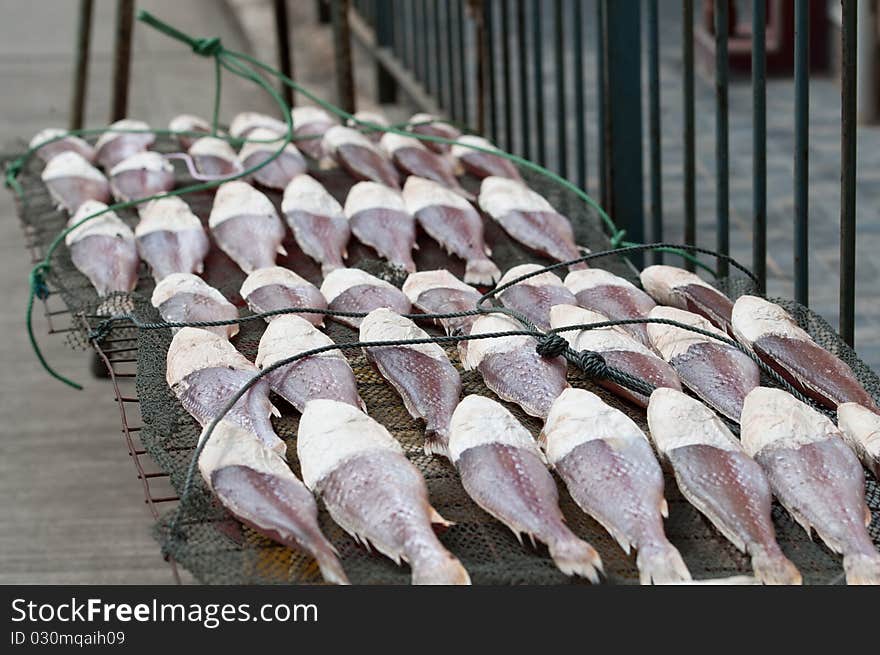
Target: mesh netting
(218, 549)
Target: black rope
(618, 251)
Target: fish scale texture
(218, 549)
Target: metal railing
(516, 70)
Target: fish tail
(862, 568)
(772, 567)
(436, 443)
(331, 567)
(661, 563)
(443, 570)
(574, 556)
(482, 272)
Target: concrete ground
(73, 510)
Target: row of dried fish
(134, 171)
(430, 388)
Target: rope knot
(207, 47)
(551, 345)
(38, 282)
(592, 363)
(13, 168)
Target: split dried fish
(717, 477)
(421, 373)
(814, 474)
(260, 490)
(246, 226)
(676, 287)
(452, 222)
(504, 472)
(170, 238)
(534, 296)
(187, 298)
(529, 219)
(718, 373)
(512, 368)
(204, 371)
(276, 287)
(619, 349)
(610, 471)
(319, 225)
(326, 375)
(379, 219)
(354, 290)
(372, 490)
(612, 296)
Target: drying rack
(69, 312)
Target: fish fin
(774, 568)
(574, 556)
(487, 250)
(801, 521)
(661, 563)
(281, 250)
(862, 568)
(532, 539)
(664, 508)
(482, 272)
(436, 444)
(542, 440)
(436, 519)
(868, 516)
(331, 567)
(448, 572)
(274, 411)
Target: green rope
(616, 234)
(205, 47)
(240, 64)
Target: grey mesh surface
(217, 549)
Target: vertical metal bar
(538, 63)
(482, 62)
(462, 89)
(451, 104)
(81, 65)
(690, 196)
(489, 26)
(506, 84)
(561, 115)
(425, 36)
(654, 119)
(722, 180)
(386, 86)
(624, 118)
(601, 77)
(342, 41)
(122, 59)
(282, 33)
(438, 51)
(580, 112)
(801, 150)
(525, 129)
(759, 142)
(418, 41)
(324, 12)
(848, 110)
(405, 33)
